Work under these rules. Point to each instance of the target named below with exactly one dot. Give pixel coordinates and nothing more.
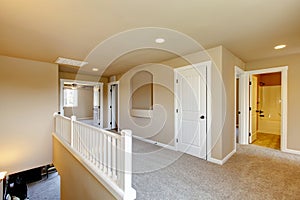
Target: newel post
(73, 118)
(55, 122)
(126, 163)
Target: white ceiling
(44, 30)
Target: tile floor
(268, 140)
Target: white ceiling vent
(67, 61)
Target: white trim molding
(167, 146)
(223, 161)
(291, 151)
(141, 113)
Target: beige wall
(293, 62)
(161, 126)
(222, 93)
(29, 97)
(229, 61)
(75, 181)
(85, 106)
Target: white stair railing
(109, 154)
(62, 127)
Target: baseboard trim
(221, 162)
(155, 142)
(214, 160)
(291, 151)
(228, 156)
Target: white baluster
(109, 155)
(94, 147)
(101, 151)
(73, 118)
(88, 146)
(97, 156)
(105, 153)
(114, 158)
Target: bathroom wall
(270, 104)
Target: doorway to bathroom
(265, 112)
(261, 107)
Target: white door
(253, 110)
(191, 111)
(114, 106)
(97, 106)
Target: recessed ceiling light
(67, 61)
(160, 40)
(281, 46)
(95, 69)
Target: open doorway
(83, 100)
(261, 114)
(265, 113)
(113, 106)
(240, 106)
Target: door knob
(202, 117)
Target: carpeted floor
(47, 189)
(254, 172)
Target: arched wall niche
(141, 93)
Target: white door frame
(109, 103)
(254, 81)
(243, 82)
(98, 84)
(208, 107)
(284, 79)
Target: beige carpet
(252, 173)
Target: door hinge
(176, 80)
(250, 83)
(110, 107)
(110, 90)
(110, 123)
(99, 90)
(177, 140)
(249, 134)
(99, 107)
(250, 108)
(176, 110)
